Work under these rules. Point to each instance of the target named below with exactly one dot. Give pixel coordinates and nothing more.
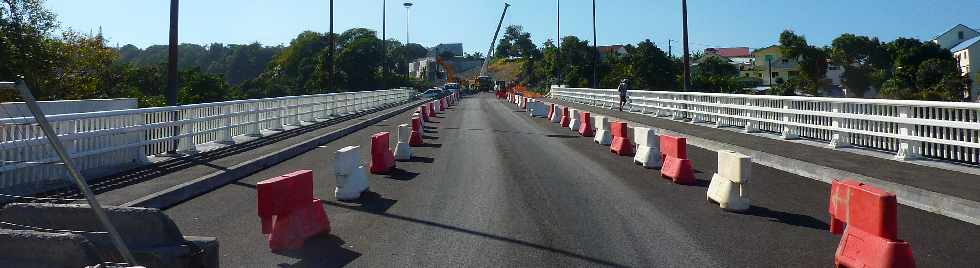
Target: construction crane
(484, 82)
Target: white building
(964, 42)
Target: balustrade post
(253, 114)
(751, 126)
(720, 120)
(839, 139)
(676, 113)
(277, 123)
(224, 135)
(907, 149)
(185, 145)
(789, 131)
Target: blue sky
(712, 23)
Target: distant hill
(236, 63)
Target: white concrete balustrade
(909, 129)
(103, 142)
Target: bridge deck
(949, 182)
(496, 188)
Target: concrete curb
(938, 203)
(185, 191)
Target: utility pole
(384, 51)
(595, 52)
(687, 55)
(172, 73)
(408, 15)
(333, 50)
(558, 43)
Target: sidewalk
(958, 185)
(135, 184)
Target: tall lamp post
(595, 52)
(333, 52)
(408, 14)
(558, 42)
(687, 56)
(384, 51)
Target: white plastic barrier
(436, 105)
(573, 122)
(602, 134)
(351, 179)
(402, 150)
(727, 187)
(647, 147)
(556, 114)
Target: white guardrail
(103, 142)
(910, 129)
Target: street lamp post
(687, 56)
(408, 14)
(384, 50)
(558, 42)
(595, 52)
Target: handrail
(911, 129)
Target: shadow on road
(321, 251)
(561, 136)
(431, 145)
(787, 218)
(369, 202)
(382, 213)
(429, 131)
(428, 127)
(427, 137)
(420, 159)
(401, 174)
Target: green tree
(812, 61)
(652, 68)
(861, 57)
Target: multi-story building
(964, 42)
(769, 65)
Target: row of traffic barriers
(865, 216)
(287, 207)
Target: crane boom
(483, 69)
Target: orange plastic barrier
(676, 166)
(673, 146)
(416, 138)
(585, 129)
(564, 117)
(289, 212)
(871, 237)
(621, 144)
(382, 159)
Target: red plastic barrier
(282, 194)
(585, 127)
(551, 109)
(416, 138)
(564, 117)
(678, 170)
(382, 159)
(291, 232)
(431, 109)
(673, 146)
(424, 113)
(288, 211)
(442, 104)
(871, 236)
(621, 144)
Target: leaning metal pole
(79, 180)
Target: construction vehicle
(484, 82)
(450, 74)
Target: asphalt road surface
(495, 188)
